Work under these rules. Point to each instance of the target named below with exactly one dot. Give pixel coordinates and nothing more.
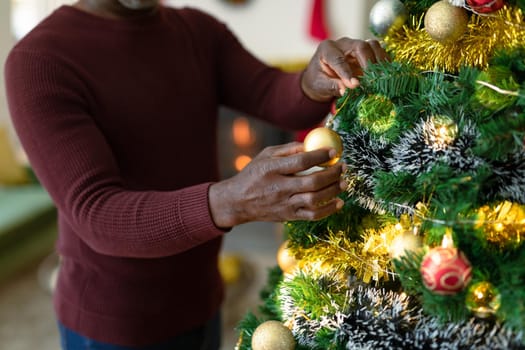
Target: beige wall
(277, 30)
(6, 41)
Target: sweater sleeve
(50, 110)
(249, 85)
(265, 92)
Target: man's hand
(269, 188)
(335, 66)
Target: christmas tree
(428, 251)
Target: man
(115, 103)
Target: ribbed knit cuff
(195, 214)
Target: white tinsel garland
(419, 149)
(376, 318)
(511, 178)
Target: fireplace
(242, 137)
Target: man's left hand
(336, 65)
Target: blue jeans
(207, 337)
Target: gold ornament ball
(230, 267)
(273, 335)
(403, 243)
(323, 137)
(445, 23)
(286, 260)
(483, 299)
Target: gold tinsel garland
(504, 224)
(369, 259)
(475, 48)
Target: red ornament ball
(445, 271)
(485, 6)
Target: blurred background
(282, 33)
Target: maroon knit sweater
(118, 118)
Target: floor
(26, 316)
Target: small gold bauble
(323, 137)
(286, 261)
(445, 23)
(230, 267)
(273, 335)
(483, 299)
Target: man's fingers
(379, 52)
(345, 59)
(318, 202)
(363, 51)
(320, 212)
(334, 63)
(364, 54)
(284, 150)
(289, 159)
(304, 161)
(320, 183)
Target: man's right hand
(270, 189)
